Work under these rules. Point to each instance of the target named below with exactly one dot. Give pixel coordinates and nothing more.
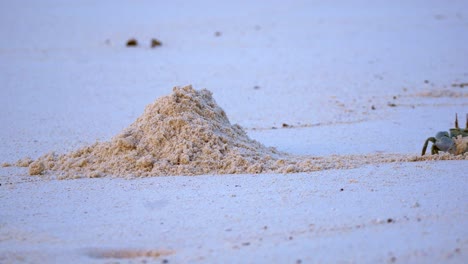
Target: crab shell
(455, 132)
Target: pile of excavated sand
(187, 133)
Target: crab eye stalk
(456, 121)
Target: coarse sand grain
(187, 133)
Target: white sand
(67, 80)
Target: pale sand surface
(67, 80)
(283, 218)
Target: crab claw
(444, 142)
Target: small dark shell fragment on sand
(132, 43)
(155, 43)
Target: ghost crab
(445, 141)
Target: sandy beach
(309, 78)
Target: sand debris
(442, 93)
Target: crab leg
(434, 150)
(433, 140)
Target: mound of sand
(187, 133)
(182, 133)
